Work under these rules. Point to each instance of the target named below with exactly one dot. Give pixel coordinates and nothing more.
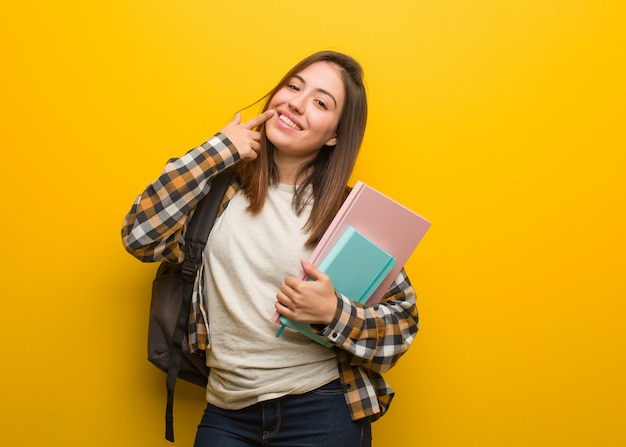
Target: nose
(296, 104)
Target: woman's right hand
(244, 137)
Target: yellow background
(500, 121)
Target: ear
(332, 141)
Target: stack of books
(365, 247)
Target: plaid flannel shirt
(368, 340)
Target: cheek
(279, 98)
(326, 126)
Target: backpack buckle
(188, 270)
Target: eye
(321, 103)
(293, 87)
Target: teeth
(288, 122)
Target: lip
(291, 117)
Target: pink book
(388, 224)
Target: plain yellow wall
(502, 121)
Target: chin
(277, 138)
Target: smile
(289, 122)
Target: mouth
(289, 122)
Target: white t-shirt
(248, 257)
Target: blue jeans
(319, 418)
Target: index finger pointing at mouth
(260, 119)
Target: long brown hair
(329, 172)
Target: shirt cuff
(340, 329)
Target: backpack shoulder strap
(202, 221)
(196, 237)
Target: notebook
(356, 266)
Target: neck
(288, 170)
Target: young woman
(292, 164)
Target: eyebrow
(321, 90)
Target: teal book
(356, 266)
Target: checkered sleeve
(153, 229)
(376, 336)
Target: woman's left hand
(312, 301)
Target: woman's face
(307, 109)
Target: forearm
(376, 336)
(152, 230)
